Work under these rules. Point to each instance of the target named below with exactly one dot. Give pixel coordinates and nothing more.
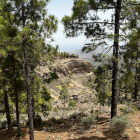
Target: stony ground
(72, 129)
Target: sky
(60, 8)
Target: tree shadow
(6, 134)
(102, 120)
(91, 138)
(56, 126)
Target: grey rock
(126, 135)
(136, 129)
(44, 128)
(97, 132)
(71, 135)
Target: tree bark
(136, 81)
(27, 81)
(6, 102)
(33, 110)
(16, 98)
(115, 61)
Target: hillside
(67, 124)
(76, 73)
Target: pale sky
(59, 8)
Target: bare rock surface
(73, 66)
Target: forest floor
(72, 129)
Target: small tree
(64, 94)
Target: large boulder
(73, 66)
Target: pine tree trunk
(27, 81)
(126, 92)
(16, 99)
(6, 102)
(30, 115)
(115, 61)
(33, 110)
(136, 82)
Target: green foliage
(72, 103)
(64, 94)
(38, 120)
(74, 115)
(103, 84)
(50, 77)
(125, 111)
(135, 108)
(3, 124)
(46, 100)
(60, 121)
(88, 121)
(85, 101)
(120, 123)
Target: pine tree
(64, 94)
(30, 17)
(131, 50)
(103, 84)
(86, 20)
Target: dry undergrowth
(72, 129)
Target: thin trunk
(6, 102)
(64, 103)
(104, 84)
(33, 110)
(28, 90)
(126, 92)
(115, 61)
(136, 82)
(16, 98)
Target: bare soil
(72, 129)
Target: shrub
(120, 123)
(52, 122)
(14, 123)
(3, 124)
(125, 111)
(60, 121)
(74, 115)
(72, 103)
(88, 120)
(38, 120)
(85, 101)
(24, 118)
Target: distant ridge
(85, 56)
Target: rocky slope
(74, 72)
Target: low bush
(3, 124)
(85, 101)
(120, 123)
(74, 115)
(60, 121)
(125, 111)
(89, 120)
(72, 103)
(38, 120)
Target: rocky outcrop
(73, 66)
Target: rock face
(73, 66)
